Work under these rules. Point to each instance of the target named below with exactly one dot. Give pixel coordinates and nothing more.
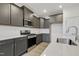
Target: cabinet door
(4, 13)
(41, 23)
(46, 38)
(7, 48)
(35, 22)
(39, 38)
(16, 15)
(46, 24)
(20, 46)
(59, 18)
(27, 13)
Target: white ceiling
(52, 8)
(37, 8)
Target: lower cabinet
(43, 37)
(7, 48)
(46, 37)
(39, 38)
(13, 47)
(20, 46)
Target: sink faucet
(76, 29)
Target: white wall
(44, 31)
(56, 31)
(15, 31)
(71, 18)
(12, 30)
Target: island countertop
(58, 49)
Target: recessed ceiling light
(44, 10)
(60, 6)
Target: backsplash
(12, 30)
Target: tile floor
(37, 51)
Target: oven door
(31, 41)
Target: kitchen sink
(66, 41)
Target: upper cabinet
(27, 16)
(11, 14)
(4, 13)
(35, 22)
(44, 23)
(56, 18)
(59, 18)
(16, 15)
(27, 13)
(29, 19)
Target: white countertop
(10, 37)
(6, 37)
(58, 49)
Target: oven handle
(31, 36)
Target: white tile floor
(37, 51)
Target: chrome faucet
(75, 32)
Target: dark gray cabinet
(39, 38)
(59, 18)
(46, 37)
(56, 18)
(35, 22)
(16, 15)
(27, 13)
(28, 16)
(11, 14)
(7, 48)
(4, 13)
(46, 23)
(20, 45)
(43, 37)
(13, 47)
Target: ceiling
(37, 8)
(52, 8)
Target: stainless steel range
(31, 37)
(31, 40)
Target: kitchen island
(58, 49)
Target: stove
(31, 41)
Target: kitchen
(39, 29)
(20, 29)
